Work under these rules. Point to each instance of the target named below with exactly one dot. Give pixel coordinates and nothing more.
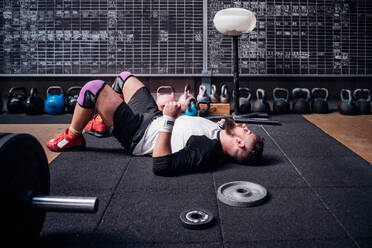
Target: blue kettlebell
(55, 104)
(191, 108)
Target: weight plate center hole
(196, 216)
(244, 191)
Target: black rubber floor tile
(7, 118)
(140, 177)
(153, 217)
(292, 124)
(335, 171)
(353, 207)
(319, 146)
(87, 170)
(279, 173)
(338, 243)
(365, 243)
(65, 229)
(164, 245)
(288, 214)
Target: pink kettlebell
(164, 94)
(185, 98)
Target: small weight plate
(196, 219)
(241, 194)
(24, 170)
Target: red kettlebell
(164, 94)
(185, 98)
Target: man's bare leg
(106, 102)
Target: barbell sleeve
(65, 203)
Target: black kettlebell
(34, 104)
(346, 106)
(244, 100)
(319, 103)
(362, 101)
(261, 105)
(281, 104)
(203, 112)
(301, 100)
(16, 103)
(72, 96)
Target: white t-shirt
(184, 127)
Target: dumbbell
(25, 186)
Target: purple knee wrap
(89, 93)
(120, 80)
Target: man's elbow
(161, 166)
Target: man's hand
(172, 109)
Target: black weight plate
(196, 219)
(24, 167)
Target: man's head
(241, 144)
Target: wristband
(167, 124)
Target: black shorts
(131, 120)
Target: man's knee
(120, 81)
(89, 93)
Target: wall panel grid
(166, 37)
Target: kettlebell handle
(298, 90)
(73, 88)
(262, 92)
(55, 88)
(187, 89)
(23, 89)
(356, 91)
(320, 90)
(224, 90)
(165, 87)
(213, 89)
(33, 92)
(192, 100)
(348, 92)
(276, 90)
(246, 90)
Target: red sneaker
(64, 142)
(96, 126)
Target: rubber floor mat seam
(312, 189)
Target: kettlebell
(224, 94)
(301, 104)
(362, 101)
(191, 108)
(214, 96)
(72, 96)
(203, 96)
(163, 98)
(34, 104)
(203, 112)
(319, 103)
(244, 100)
(16, 102)
(260, 105)
(55, 104)
(281, 104)
(185, 98)
(346, 105)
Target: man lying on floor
(178, 144)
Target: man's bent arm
(162, 145)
